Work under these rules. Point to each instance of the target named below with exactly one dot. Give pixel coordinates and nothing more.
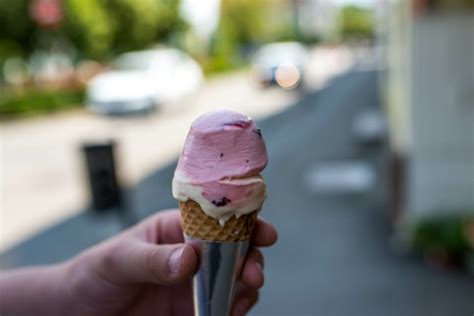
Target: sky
(202, 15)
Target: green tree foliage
(256, 21)
(89, 26)
(244, 20)
(34, 102)
(356, 23)
(101, 27)
(243, 24)
(97, 28)
(15, 29)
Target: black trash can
(103, 184)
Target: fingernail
(175, 260)
(259, 265)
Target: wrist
(34, 290)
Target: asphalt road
(333, 256)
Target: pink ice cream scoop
(220, 164)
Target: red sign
(47, 13)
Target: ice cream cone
(222, 253)
(220, 192)
(199, 225)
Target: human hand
(147, 270)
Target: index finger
(264, 234)
(165, 227)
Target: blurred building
(429, 90)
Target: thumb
(149, 263)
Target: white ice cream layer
(183, 191)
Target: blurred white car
(280, 63)
(142, 80)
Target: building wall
(429, 90)
(398, 75)
(441, 163)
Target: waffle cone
(198, 224)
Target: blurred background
(367, 108)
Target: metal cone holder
(214, 284)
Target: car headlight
(287, 76)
